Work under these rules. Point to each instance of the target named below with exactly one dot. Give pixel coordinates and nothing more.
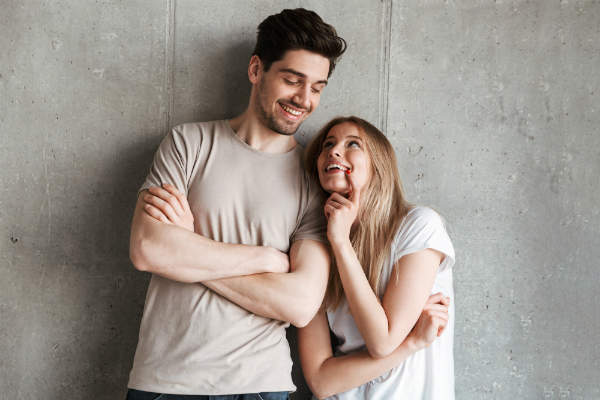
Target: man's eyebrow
(300, 74)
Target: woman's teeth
(338, 166)
(293, 112)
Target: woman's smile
(343, 151)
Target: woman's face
(343, 149)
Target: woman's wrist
(412, 344)
(341, 245)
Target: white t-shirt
(429, 373)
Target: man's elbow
(139, 254)
(303, 313)
(299, 321)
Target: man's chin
(286, 130)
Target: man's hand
(294, 297)
(170, 206)
(178, 254)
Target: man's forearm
(178, 254)
(294, 297)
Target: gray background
(492, 107)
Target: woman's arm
(327, 375)
(383, 326)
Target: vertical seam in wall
(169, 41)
(384, 73)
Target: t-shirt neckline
(251, 149)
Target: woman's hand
(170, 206)
(341, 213)
(432, 322)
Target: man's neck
(255, 134)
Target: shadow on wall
(212, 82)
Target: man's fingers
(156, 214)
(162, 205)
(168, 198)
(181, 198)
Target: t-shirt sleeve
(313, 224)
(423, 229)
(173, 161)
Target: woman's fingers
(354, 195)
(338, 198)
(442, 327)
(156, 214)
(334, 205)
(439, 298)
(438, 314)
(437, 307)
(328, 210)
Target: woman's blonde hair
(382, 205)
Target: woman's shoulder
(419, 217)
(421, 229)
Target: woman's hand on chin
(342, 213)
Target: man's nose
(302, 97)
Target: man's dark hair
(297, 29)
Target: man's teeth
(293, 112)
(332, 166)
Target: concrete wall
(492, 107)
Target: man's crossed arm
(163, 242)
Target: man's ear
(254, 69)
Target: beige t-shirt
(192, 340)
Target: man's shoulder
(201, 128)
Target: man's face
(290, 91)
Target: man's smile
(291, 112)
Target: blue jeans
(140, 395)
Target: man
(223, 289)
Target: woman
(388, 257)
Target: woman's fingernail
(165, 184)
(348, 171)
(147, 205)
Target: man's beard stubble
(269, 120)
